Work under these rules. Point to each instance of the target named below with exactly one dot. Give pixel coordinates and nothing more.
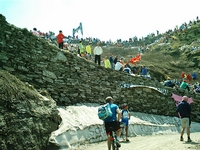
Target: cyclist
(113, 121)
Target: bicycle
(113, 139)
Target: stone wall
(70, 79)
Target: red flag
(136, 59)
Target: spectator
(125, 120)
(196, 89)
(97, 53)
(107, 62)
(169, 83)
(144, 71)
(182, 75)
(118, 66)
(35, 32)
(184, 110)
(72, 49)
(115, 60)
(127, 69)
(89, 51)
(60, 38)
(194, 76)
(111, 59)
(189, 77)
(184, 85)
(135, 69)
(81, 48)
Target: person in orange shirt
(60, 38)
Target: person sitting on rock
(35, 32)
(184, 85)
(169, 83)
(118, 66)
(127, 69)
(194, 75)
(196, 89)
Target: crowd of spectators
(186, 82)
(117, 63)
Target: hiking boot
(189, 140)
(181, 139)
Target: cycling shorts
(115, 125)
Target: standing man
(81, 47)
(184, 110)
(97, 53)
(89, 51)
(113, 121)
(111, 59)
(60, 38)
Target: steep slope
(27, 118)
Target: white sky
(103, 19)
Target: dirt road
(155, 142)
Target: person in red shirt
(189, 77)
(182, 75)
(60, 38)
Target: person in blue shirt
(127, 69)
(144, 71)
(194, 75)
(184, 110)
(125, 119)
(113, 121)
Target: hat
(60, 31)
(108, 99)
(184, 80)
(124, 105)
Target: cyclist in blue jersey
(113, 121)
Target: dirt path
(155, 142)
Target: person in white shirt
(118, 66)
(97, 53)
(35, 32)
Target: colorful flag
(136, 59)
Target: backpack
(104, 111)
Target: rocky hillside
(36, 76)
(26, 117)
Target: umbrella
(178, 99)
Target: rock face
(26, 117)
(69, 79)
